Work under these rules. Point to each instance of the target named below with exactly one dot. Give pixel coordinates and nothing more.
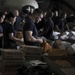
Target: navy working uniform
(30, 26)
(62, 23)
(17, 24)
(7, 29)
(1, 31)
(48, 28)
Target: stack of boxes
(0, 63)
(31, 52)
(11, 60)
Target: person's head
(30, 10)
(49, 14)
(71, 14)
(11, 18)
(63, 15)
(37, 14)
(44, 14)
(1, 17)
(16, 12)
(5, 12)
(56, 13)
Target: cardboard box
(31, 52)
(31, 48)
(12, 62)
(9, 70)
(68, 71)
(58, 44)
(71, 49)
(58, 52)
(12, 54)
(61, 70)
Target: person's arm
(1, 31)
(61, 32)
(45, 28)
(29, 37)
(44, 31)
(67, 27)
(11, 36)
(1, 34)
(57, 28)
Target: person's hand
(40, 40)
(21, 40)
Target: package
(46, 47)
(19, 34)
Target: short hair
(49, 14)
(37, 12)
(63, 14)
(10, 15)
(1, 14)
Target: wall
(17, 4)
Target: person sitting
(63, 23)
(17, 24)
(9, 32)
(1, 29)
(55, 19)
(48, 27)
(41, 24)
(30, 32)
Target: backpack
(28, 69)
